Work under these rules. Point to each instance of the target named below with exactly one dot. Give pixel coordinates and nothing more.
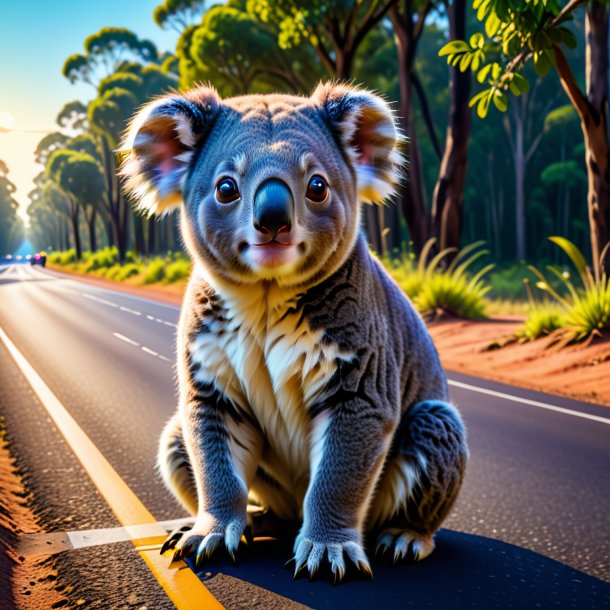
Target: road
(530, 529)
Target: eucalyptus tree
(11, 226)
(178, 14)
(517, 33)
(234, 49)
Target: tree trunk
(139, 242)
(593, 112)
(372, 226)
(92, 236)
(75, 220)
(519, 189)
(152, 227)
(411, 192)
(448, 196)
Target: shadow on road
(465, 571)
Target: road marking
(126, 339)
(50, 543)
(145, 349)
(527, 401)
(181, 585)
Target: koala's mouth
(272, 253)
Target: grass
(438, 289)
(580, 312)
(172, 268)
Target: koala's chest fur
(259, 349)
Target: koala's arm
(351, 437)
(223, 444)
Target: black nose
(273, 207)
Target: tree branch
(566, 77)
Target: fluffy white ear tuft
(365, 126)
(159, 146)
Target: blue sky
(35, 39)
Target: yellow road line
(181, 585)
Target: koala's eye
(317, 189)
(226, 190)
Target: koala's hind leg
(175, 467)
(421, 480)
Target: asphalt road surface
(531, 528)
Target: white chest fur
(270, 362)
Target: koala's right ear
(159, 145)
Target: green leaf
(542, 65)
(475, 99)
(477, 41)
(500, 100)
(465, 61)
(483, 73)
(521, 83)
(483, 105)
(575, 255)
(455, 46)
(492, 25)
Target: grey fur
(309, 385)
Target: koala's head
(271, 184)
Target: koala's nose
(273, 206)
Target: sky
(36, 36)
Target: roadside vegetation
(172, 268)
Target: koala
(308, 384)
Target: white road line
(527, 401)
(145, 349)
(126, 339)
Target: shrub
(585, 307)
(65, 258)
(106, 257)
(126, 271)
(176, 271)
(154, 271)
(542, 320)
(437, 291)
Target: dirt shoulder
(575, 371)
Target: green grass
(438, 289)
(172, 268)
(582, 308)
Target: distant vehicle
(9, 257)
(40, 258)
(18, 257)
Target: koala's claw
(404, 544)
(202, 543)
(173, 538)
(310, 555)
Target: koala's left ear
(160, 143)
(365, 126)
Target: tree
(178, 14)
(408, 20)
(11, 227)
(335, 29)
(73, 117)
(536, 31)
(105, 51)
(232, 47)
(448, 196)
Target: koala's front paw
(309, 551)
(205, 537)
(403, 544)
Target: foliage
(436, 290)
(516, 32)
(106, 257)
(177, 270)
(154, 271)
(11, 227)
(585, 305)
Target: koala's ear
(159, 144)
(365, 126)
